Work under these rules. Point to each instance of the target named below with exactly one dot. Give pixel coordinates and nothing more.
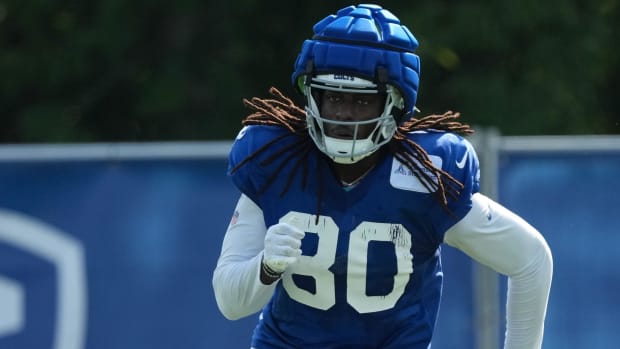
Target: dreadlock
(283, 112)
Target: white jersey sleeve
(501, 240)
(236, 279)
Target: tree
(117, 70)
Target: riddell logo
(25, 240)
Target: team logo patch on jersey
(402, 178)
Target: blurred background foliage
(150, 70)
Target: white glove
(282, 246)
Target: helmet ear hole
(398, 105)
(398, 114)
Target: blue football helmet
(368, 46)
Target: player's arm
(236, 279)
(252, 259)
(498, 238)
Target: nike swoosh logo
(461, 164)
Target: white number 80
(317, 266)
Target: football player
(346, 201)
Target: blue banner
(573, 198)
(115, 253)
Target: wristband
(270, 272)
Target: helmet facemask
(354, 148)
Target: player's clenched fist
(282, 246)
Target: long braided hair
(283, 112)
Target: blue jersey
(370, 271)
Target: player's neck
(353, 173)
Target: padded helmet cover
(366, 41)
